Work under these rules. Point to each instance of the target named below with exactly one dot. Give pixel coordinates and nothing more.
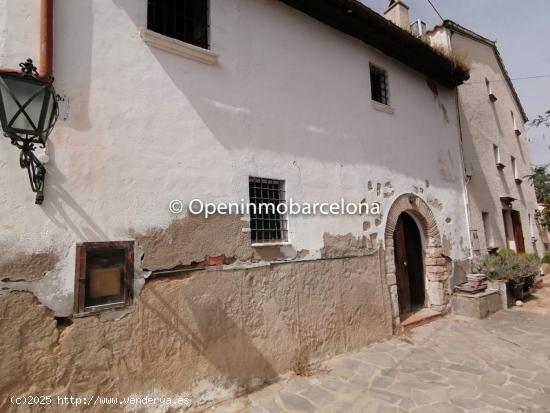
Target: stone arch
(436, 271)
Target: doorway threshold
(417, 318)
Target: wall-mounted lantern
(28, 112)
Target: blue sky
(522, 32)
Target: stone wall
(205, 335)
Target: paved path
(501, 364)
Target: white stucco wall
(288, 99)
(485, 124)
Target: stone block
(435, 261)
(437, 293)
(437, 274)
(478, 306)
(435, 252)
(502, 287)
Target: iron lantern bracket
(27, 140)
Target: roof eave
(355, 19)
(451, 25)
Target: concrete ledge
(178, 47)
(480, 305)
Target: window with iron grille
(185, 20)
(266, 224)
(379, 85)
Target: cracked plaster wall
(204, 336)
(120, 154)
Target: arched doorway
(409, 265)
(435, 261)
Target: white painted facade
(493, 132)
(288, 98)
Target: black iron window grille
(185, 20)
(266, 224)
(379, 85)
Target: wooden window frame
(80, 279)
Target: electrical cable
(439, 14)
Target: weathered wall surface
(485, 124)
(206, 335)
(288, 99)
(140, 127)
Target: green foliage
(540, 179)
(546, 259)
(529, 265)
(507, 265)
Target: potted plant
(518, 271)
(505, 272)
(530, 268)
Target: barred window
(185, 20)
(379, 85)
(266, 224)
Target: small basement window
(266, 224)
(185, 20)
(104, 275)
(379, 85)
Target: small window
(516, 129)
(496, 152)
(517, 178)
(266, 223)
(104, 275)
(492, 96)
(185, 20)
(379, 85)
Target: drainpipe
(465, 180)
(45, 68)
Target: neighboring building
(106, 292)
(502, 201)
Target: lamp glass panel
(23, 91)
(37, 95)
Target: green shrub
(546, 259)
(529, 265)
(507, 265)
(502, 266)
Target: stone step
(420, 317)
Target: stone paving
(453, 364)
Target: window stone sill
(178, 47)
(382, 108)
(270, 244)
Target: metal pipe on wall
(45, 68)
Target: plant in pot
(530, 268)
(505, 267)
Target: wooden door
(518, 232)
(401, 271)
